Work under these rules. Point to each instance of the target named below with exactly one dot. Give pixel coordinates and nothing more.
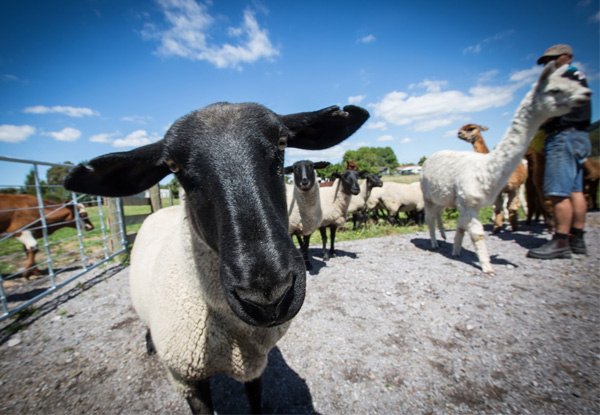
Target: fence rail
(63, 255)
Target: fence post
(114, 228)
(155, 198)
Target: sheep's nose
(267, 306)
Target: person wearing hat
(567, 146)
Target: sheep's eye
(282, 142)
(172, 166)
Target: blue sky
(81, 78)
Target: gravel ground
(388, 327)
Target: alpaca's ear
(483, 128)
(548, 69)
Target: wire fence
(46, 244)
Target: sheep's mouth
(305, 187)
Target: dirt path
(388, 327)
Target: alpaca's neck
(507, 155)
(479, 145)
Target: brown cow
(20, 216)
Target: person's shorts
(565, 154)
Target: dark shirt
(579, 117)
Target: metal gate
(55, 234)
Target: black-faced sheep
(304, 203)
(358, 204)
(335, 201)
(217, 279)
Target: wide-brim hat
(554, 51)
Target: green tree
(55, 177)
(422, 160)
(328, 171)
(372, 158)
(29, 187)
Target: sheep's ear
(483, 128)
(119, 174)
(324, 128)
(321, 164)
(335, 176)
(288, 169)
(363, 173)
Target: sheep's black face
(349, 179)
(304, 175)
(374, 181)
(238, 207)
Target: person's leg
(579, 206)
(563, 214)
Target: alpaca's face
(557, 95)
(471, 132)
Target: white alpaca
(469, 181)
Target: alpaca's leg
(430, 218)
(498, 213)
(514, 203)
(475, 229)
(440, 222)
(522, 197)
(461, 226)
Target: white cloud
(104, 137)
(526, 76)
(472, 49)
(356, 99)
(135, 139)
(15, 133)
(430, 86)
(76, 112)
(9, 78)
(137, 119)
(477, 48)
(386, 137)
(191, 29)
(366, 39)
(438, 108)
(66, 134)
(406, 140)
(595, 18)
(379, 125)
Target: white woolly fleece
(176, 291)
(334, 204)
(304, 209)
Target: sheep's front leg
(323, 231)
(304, 242)
(332, 253)
(199, 399)
(254, 393)
(475, 229)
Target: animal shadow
(316, 258)
(284, 392)
(526, 237)
(466, 255)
